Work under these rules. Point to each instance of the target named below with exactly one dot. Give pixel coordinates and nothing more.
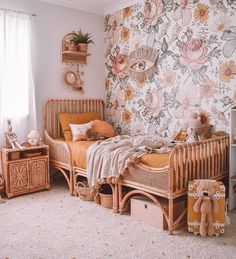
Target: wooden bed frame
(208, 159)
(59, 152)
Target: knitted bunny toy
(207, 205)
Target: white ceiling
(93, 6)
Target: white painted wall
(49, 27)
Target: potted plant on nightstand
(82, 40)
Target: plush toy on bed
(100, 130)
(207, 205)
(92, 135)
(200, 124)
(203, 131)
(93, 130)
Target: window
(17, 101)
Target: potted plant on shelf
(82, 40)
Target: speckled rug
(52, 224)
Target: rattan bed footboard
(208, 159)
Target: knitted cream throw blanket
(108, 159)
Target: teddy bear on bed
(207, 205)
(100, 130)
(92, 135)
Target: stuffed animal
(207, 205)
(33, 138)
(92, 135)
(203, 131)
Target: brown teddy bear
(92, 135)
(206, 204)
(203, 131)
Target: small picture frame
(71, 78)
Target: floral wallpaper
(166, 59)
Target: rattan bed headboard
(54, 106)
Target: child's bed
(156, 175)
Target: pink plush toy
(207, 205)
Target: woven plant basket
(73, 48)
(83, 47)
(84, 191)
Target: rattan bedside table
(25, 171)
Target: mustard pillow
(103, 128)
(74, 118)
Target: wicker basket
(83, 47)
(105, 197)
(72, 48)
(84, 191)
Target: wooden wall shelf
(72, 56)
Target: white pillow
(79, 130)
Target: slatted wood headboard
(54, 106)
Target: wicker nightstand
(26, 170)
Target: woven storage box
(195, 218)
(84, 192)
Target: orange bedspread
(79, 155)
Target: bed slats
(206, 159)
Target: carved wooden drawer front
(19, 177)
(38, 172)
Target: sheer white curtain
(17, 95)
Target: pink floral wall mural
(166, 59)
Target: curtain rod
(17, 11)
